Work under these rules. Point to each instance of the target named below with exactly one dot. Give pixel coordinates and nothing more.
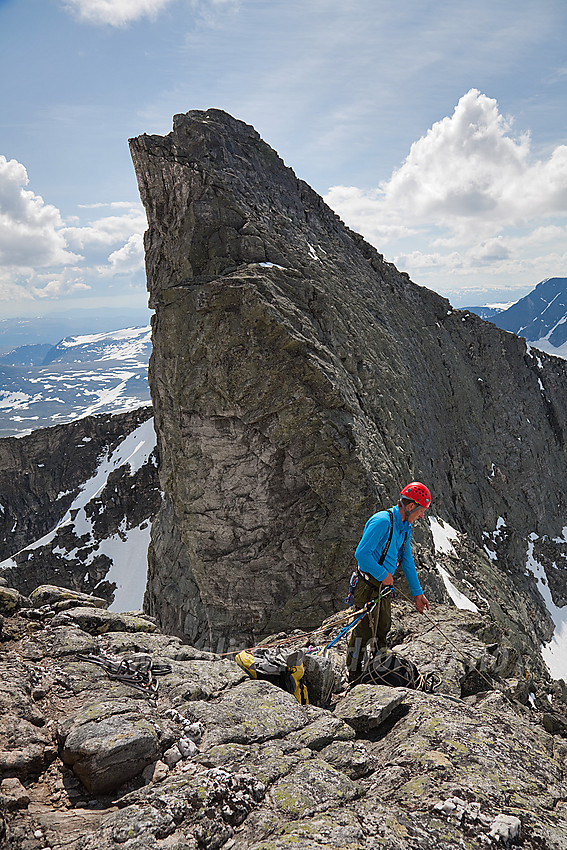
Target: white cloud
(30, 234)
(473, 191)
(39, 253)
(115, 205)
(467, 167)
(120, 13)
(129, 258)
(108, 230)
(57, 284)
(116, 13)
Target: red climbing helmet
(417, 492)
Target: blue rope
(347, 628)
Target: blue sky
(437, 129)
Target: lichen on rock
(88, 762)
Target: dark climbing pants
(362, 633)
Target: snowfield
(80, 376)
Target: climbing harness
(138, 670)
(358, 573)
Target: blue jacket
(373, 542)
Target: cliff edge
(298, 379)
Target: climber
(385, 544)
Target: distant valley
(43, 384)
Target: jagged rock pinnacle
(299, 380)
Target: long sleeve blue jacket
(373, 542)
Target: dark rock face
(92, 761)
(298, 380)
(40, 477)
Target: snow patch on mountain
(460, 600)
(125, 344)
(545, 345)
(78, 377)
(444, 536)
(126, 548)
(128, 551)
(555, 652)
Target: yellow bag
(294, 666)
(286, 671)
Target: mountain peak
(540, 317)
(299, 380)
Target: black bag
(396, 671)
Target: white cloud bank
(120, 13)
(42, 257)
(469, 195)
(29, 228)
(116, 13)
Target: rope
(138, 671)
(365, 611)
(294, 638)
(356, 617)
(435, 625)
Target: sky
(436, 128)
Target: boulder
(96, 622)
(313, 787)
(112, 747)
(13, 794)
(366, 707)
(319, 677)
(60, 597)
(321, 732)
(255, 711)
(10, 601)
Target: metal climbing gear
(353, 582)
(138, 670)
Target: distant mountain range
(48, 329)
(540, 317)
(43, 385)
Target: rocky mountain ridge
(77, 502)
(540, 317)
(298, 379)
(91, 758)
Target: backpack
(397, 671)
(282, 669)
